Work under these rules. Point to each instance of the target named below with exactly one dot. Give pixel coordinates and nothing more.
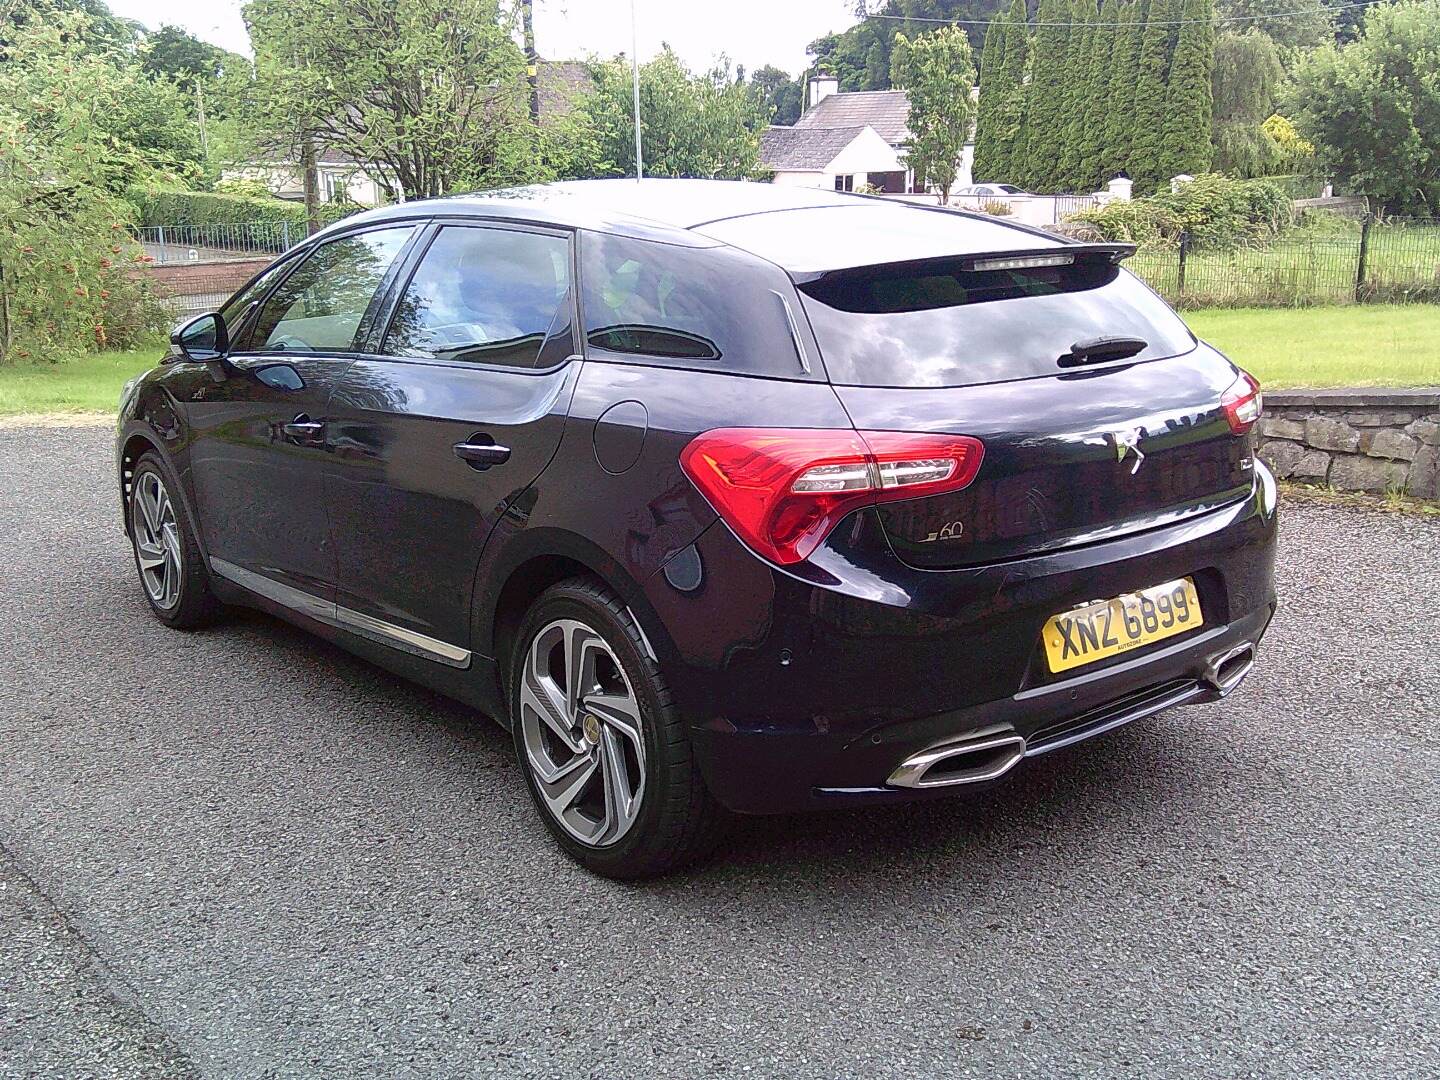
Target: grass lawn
(88, 384)
(1360, 345)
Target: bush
(171, 207)
(1215, 210)
(995, 208)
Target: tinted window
(320, 306)
(940, 325)
(692, 307)
(489, 296)
(234, 310)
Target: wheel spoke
(582, 646)
(620, 712)
(540, 694)
(151, 556)
(620, 801)
(149, 499)
(565, 790)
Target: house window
(845, 183)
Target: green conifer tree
(1120, 103)
(1148, 131)
(1010, 164)
(1105, 48)
(992, 64)
(1077, 93)
(1188, 96)
(1046, 113)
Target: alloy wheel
(157, 540)
(581, 730)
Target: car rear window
(940, 324)
(713, 308)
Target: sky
(749, 32)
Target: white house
(864, 135)
(339, 177)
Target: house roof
(884, 110)
(809, 149)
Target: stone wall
(1355, 440)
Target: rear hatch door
(1099, 411)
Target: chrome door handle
(303, 428)
(482, 455)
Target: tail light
(783, 489)
(1242, 403)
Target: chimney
(821, 87)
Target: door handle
(303, 429)
(482, 455)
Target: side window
(486, 296)
(319, 307)
(705, 307)
(233, 311)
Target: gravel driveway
(241, 853)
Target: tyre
(171, 568)
(606, 757)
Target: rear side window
(711, 307)
(319, 307)
(486, 296)
(939, 324)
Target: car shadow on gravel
(1063, 800)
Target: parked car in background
(992, 190)
(720, 496)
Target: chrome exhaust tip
(970, 761)
(1225, 671)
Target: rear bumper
(838, 690)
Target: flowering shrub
(71, 279)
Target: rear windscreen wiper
(1093, 350)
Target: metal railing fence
(1371, 260)
(221, 242)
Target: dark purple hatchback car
(719, 495)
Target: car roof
(790, 226)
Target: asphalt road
(241, 853)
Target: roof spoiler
(1062, 254)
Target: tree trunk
(311, 180)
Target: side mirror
(203, 340)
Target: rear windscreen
(940, 324)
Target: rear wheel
(607, 760)
(172, 571)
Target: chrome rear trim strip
(332, 614)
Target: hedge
(175, 208)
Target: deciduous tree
(937, 72)
(430, 91)
(1372, 107)
(692, 125)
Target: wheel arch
(536, 562)
(134, 444)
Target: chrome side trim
(343, 618)
(397, 637)
(307, 604)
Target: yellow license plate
(1085, 634)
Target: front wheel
(606, 758)
(172, 571)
